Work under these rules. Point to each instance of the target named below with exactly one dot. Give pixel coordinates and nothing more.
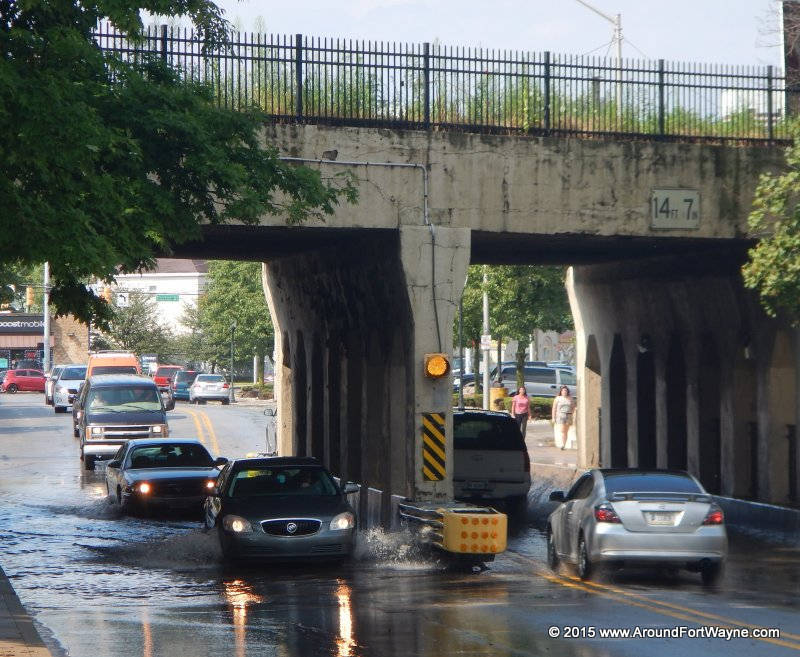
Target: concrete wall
(531, 185)
(352, 325)
(692, 375)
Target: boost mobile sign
(22, 324)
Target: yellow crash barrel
(474, 533)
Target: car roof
(480, 412)
(606, 472)
(165, 441)
(119, 379)
(282, 461)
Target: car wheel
(12, 388)
(88, 462)
(59, 409)
(585, 566)
(552, 555)
(225, 402)
(711, 574)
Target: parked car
(30, 380)
(49, 383)
(207, 387)
(112, 362)
(114, 408)
(167, 475)
(67, 385)
(539, 381)
(491, 461)
(279, 509)
(181, 383)
(28, 364)
(165, 374)
(637, 517)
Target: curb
(18, 635)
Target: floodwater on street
(101, 584)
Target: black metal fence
(422, 86)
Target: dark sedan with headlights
(147, 475)
(281, 509)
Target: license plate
(477, 485)
(666, 518)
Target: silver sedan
(637, 517)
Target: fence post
(770, 120)
(164, 42)
(298, 75)
(547, 90)
(661, 97)
(426, 59)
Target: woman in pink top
(521, 409)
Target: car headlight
(144, 488)
(344, 520)
(97, 431)
(157, 428)
(237, 525)
(210, 485)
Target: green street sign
(167, 297)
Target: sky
(715, 31)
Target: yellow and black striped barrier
(434, 447)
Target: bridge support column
(353, 324)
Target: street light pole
(46, 317)
(233, 331)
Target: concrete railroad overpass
(677, 365)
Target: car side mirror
(220, 460)
(350, 488)
(113, 464)
(557, 496)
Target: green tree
(106, 163)
(773, 268)
(235, 293)
(134, 327)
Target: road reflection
(239, 595)
(345, 641)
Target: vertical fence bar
(547, 90)
(661, 97)
(298, 76)
(770, 118)
(164, 42)
(426, 75)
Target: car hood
(70, 383)
(128, 417)
(280, 506)
(161, 474)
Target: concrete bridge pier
(678, 367)
(353, 323)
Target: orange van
(112, 362)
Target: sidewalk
(18, 636)
(542, 448)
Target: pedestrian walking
(563, 409)
(521, 409)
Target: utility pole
(616, 21)
(485, 337)
(46, 317)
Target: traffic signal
(106, 294)
(29, 296)
(436, 365)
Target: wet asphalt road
(103, 585)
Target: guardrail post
(661, 97)
(770, 119)
(547, 90)
(164, 42)
(298, 75)
(426, 59)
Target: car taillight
(604, 513)
(714, 516)
(225, 385)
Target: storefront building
(22, 340)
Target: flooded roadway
(103, 585)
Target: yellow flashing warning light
(436, 365)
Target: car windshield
(114, 369)
(486, 433)
(73, 374)
(271, 481)
(185, 377)
(649, 482)
(210, 378)
(170, 456)
(118, 399)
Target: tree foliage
(773, 268)
(106, 163)
(135, 327)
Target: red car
(23, 380)
(165, 374)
